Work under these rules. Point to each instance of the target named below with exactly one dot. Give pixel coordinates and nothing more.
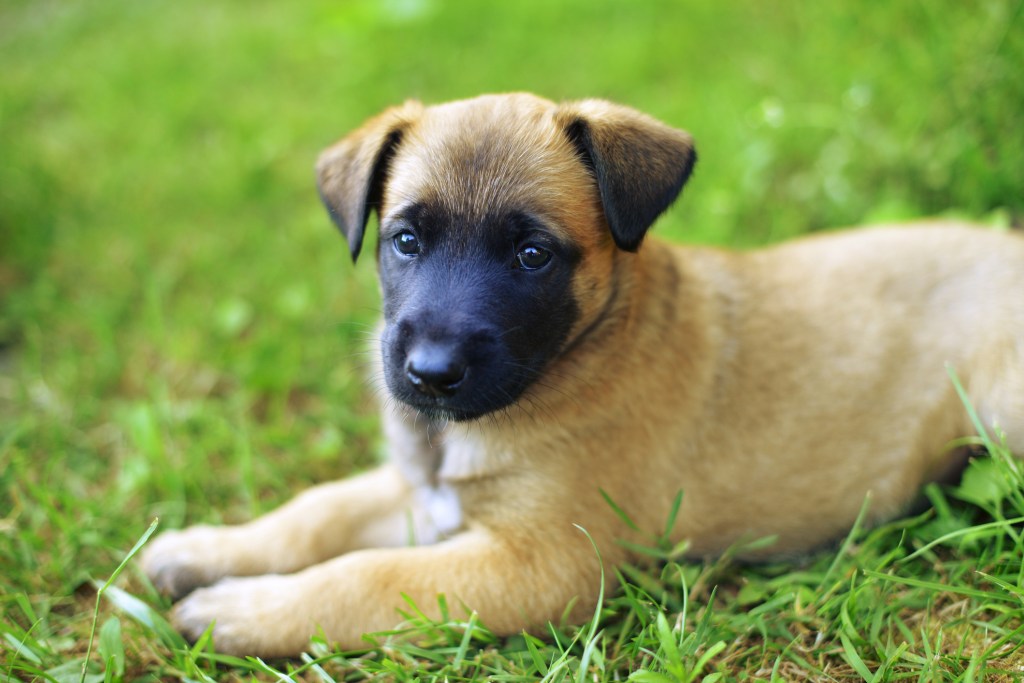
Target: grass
(180, 329)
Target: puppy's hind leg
(998, 393)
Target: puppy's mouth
(472, 398)
(439, 412)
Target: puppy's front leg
(513, 583)
(373, 509)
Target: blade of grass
(975, 420)
(851, 656)
(841, 553)
(939, 587)
(618, 511)
(591, 638)
(99, 593)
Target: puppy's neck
(654, 284)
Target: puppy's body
(775, 388)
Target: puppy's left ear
(351, 174)
(640, 164)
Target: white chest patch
(468, 456)
(444, 511)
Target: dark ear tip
(354, 238)
(691, 160)
(354, 248)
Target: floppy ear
(351, 174)
(640, 163)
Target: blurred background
(180, 325)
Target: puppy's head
(501, 219)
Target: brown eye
(406, 243)
(532, 257)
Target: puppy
(539, 355)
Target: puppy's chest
(441, 511)
(468, 455)
(442, 474)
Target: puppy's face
(497, 244)
(490, 226)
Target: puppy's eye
(532, 257)
(406, 243)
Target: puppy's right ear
(351, 174)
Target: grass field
(180, 325)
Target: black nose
(435, 370)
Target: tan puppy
(536, 356)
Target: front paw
(178, 562)
(261, 616)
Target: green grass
(181, 331)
